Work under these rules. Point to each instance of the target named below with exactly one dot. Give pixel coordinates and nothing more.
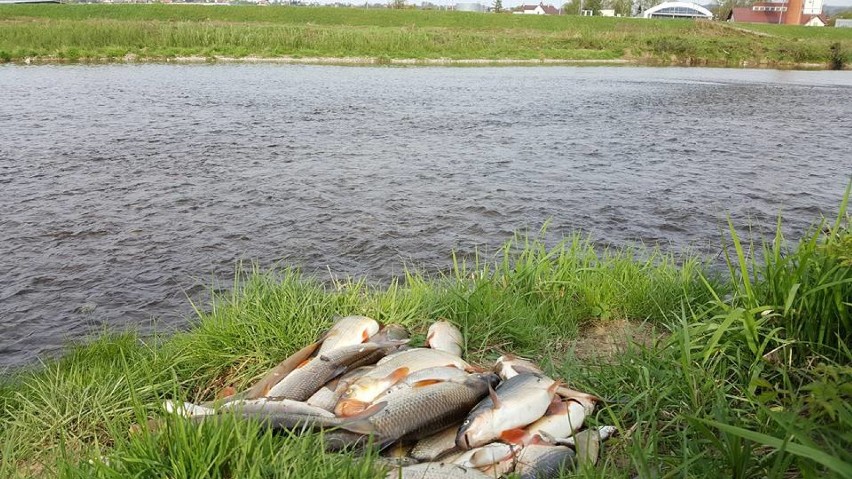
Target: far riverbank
(319, 35)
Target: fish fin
(494, 398)
(428, 338)
(569, 393)
(360, 423)
(513, 436)
(364, 335)
(397, 375)
(265, 390)
(472, 369)
(227, 391)
(553, 387)
(426, 382)
(350, 407)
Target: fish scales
(435, 470)
(370, 386)
(419, 412)
(303, 382)
(541, 462)
(437, 445)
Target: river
(125, 190)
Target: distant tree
(571, 8)
(498, 6)
(397, 4)
(622, 7)
(593, 5)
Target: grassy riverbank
(163, 32)
(741, 375)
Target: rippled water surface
(125, 189)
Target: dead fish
(187, 409)
(487, 455)
(443, 336)
(587, 443)
(516, 403)
(561, 420)
(304, 381)
(328, 395)
(366, 389)
(424, 377)
(392, 333)
(250, 406)
(540, 461)
(348, 331)
(282, 419)
(437, 445)
(509, 366)
(419, 412)
(435, 470)
(276, 374)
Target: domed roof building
(677, 10)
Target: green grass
(746, 375)
(109, 32)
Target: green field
(162, 32)
(741, 374)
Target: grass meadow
(163, 32)
(740, 373)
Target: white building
(540, 9)
(678, 10)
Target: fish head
(474, 431)
(358, 396)
(393, 332)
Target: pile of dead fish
(431, 413)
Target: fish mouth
(350, 407)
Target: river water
(126, 189)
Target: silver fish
(418, 412)
(509, 366)
(303, 382)
(328, 395)
(443, 336)
(435, 470)
(516, 403)
(348, 331)
(366, 389)
(541, 462)
(279, 372)
(587, 443)
(561, 420)
(487, 455)
(436, 446)
(424, 377)
(273, 406)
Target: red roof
(747, 15)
